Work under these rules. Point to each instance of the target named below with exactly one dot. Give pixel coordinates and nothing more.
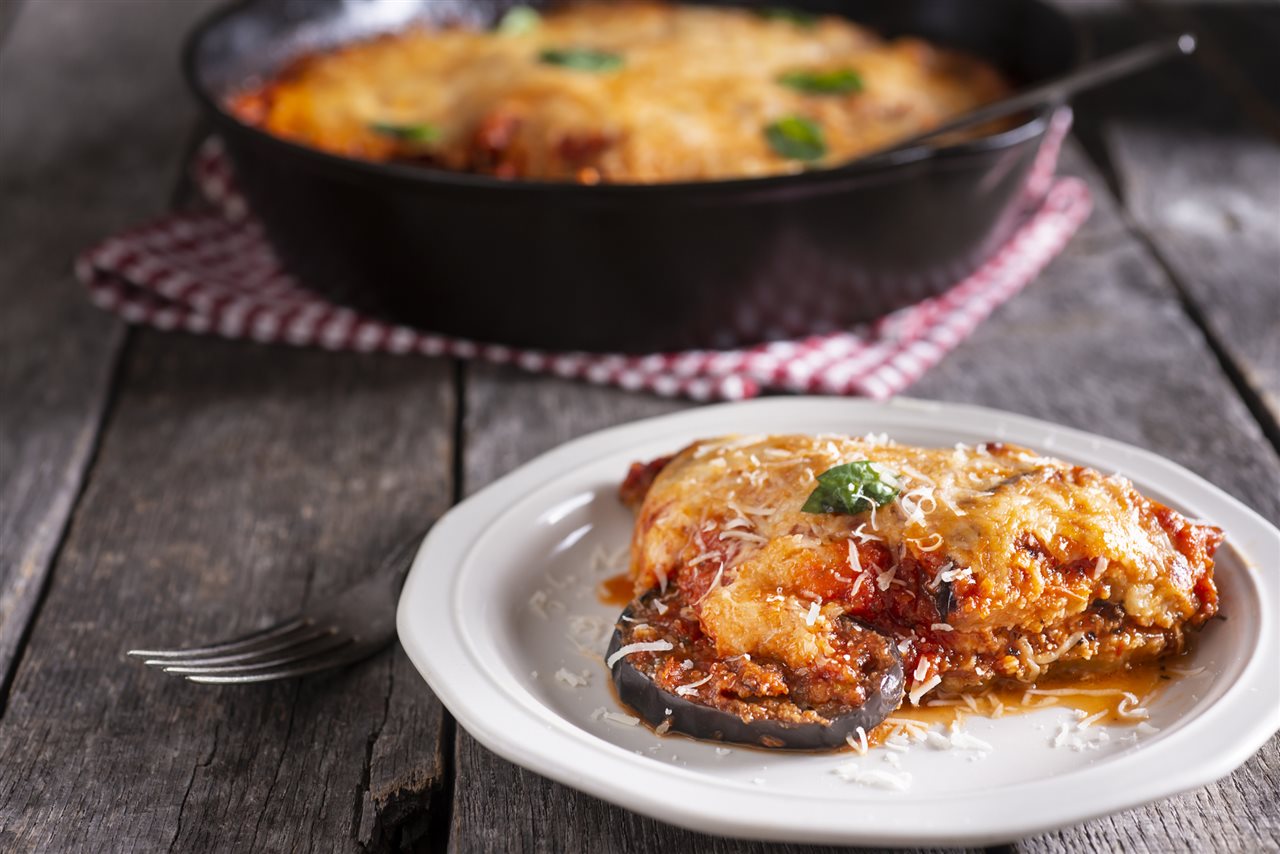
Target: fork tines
(290, 648)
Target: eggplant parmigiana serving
(629, 92)
(791, 589)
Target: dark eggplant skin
(945, 599)
(656, 706)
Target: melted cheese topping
(696, 88)
(992, 562)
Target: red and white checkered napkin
(214, 272)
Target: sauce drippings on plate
(1112, 698)
(616, 590)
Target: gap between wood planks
(1248, 393)
(1095, 148)
(181, 194)
(420, 822)
(1243, 93)
(114, 375)
(440, 821)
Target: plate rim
(434, 645)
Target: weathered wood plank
(1199, 175)
(234, 484)
(67, 181)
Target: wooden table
(158, 488)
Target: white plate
(466, 621)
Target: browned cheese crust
(695, 89)
(993, 564)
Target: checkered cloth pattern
(213, 272)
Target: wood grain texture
(66, 182)
(1199, 176)
(234, 484)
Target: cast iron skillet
(628, 268)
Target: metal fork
(340, 630)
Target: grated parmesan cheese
(587, 633)
(1063, 648)
(715, 582)
(951, 505)
(573, 680)
(1086, 722)
(949, 573)
(1131, 708)
(937, 740)
(1029, 656)
(897, 743)
(911, 504)
(935, 539)
(686, 690)
(621, 719)
(1069, 692)
(864, 537)
(857, 585)
(850, 772)
(922, 689)
(812, 617)
(961, 740)
(855, 562)
(746, 536)
(644, 646)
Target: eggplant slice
(635, 678)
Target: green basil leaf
(420, 133)
(518, 21)
(581, 59)
(796, 138)
(783, 13)
(852, 488)
(838, 81)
